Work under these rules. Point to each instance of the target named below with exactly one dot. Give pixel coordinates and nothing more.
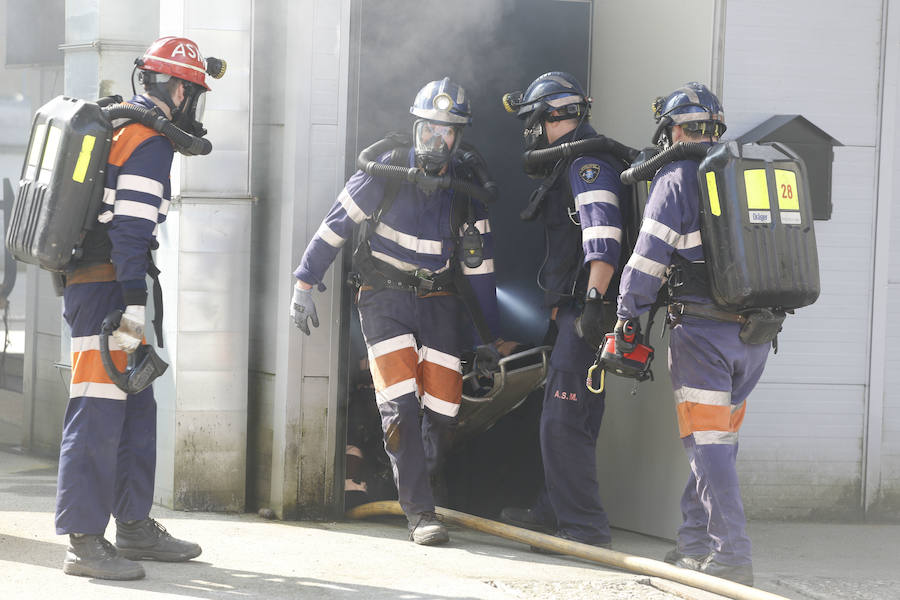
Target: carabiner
(590, 378)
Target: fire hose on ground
(611, 558)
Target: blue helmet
(442, 108)
(553, 91)
(693, 107)
(443, 102)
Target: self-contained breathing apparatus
(63, 177)
(470, 180)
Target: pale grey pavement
(245, 557)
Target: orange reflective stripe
(737, 417)
(441, 382)
(394, 367)
(87, 366)
(126, 140)
(702, 417)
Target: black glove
(487, 360)
(628, 336)
(596, 319)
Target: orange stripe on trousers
(441, 382)
(693, 416)
(87, 366)
(394, 367)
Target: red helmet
(177, 57)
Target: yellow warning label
(786, 188)
(84, 158)
(714, 206)
(757, 189)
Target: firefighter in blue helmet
(583, 223)
(409, 270)
(107, 455)
(712, 370)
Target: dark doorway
(490, 47)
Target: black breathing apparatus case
(756, 221)
(62, 182)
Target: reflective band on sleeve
(645, 265)
(326, 234)
(713, 190)
(350, 207)
(670, 236)
(596, 197)
(84, 158)
(141, 210)
(601, 232)
(137, 183)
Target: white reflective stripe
(394, 262)
(92, 342)
(352, 486)
(705, 438)
(486, 268)
(392, 392)
(601, 232)
(738, 406)
(698, 396)
(164, 207)
(353, 451)
(670, 236)
(155, 230)
(437, 357)
(393, 344)
(130, 208)
(596, 197)
(326, 234)
(440, 406)
(483, 226)
(109, 196)
(176, 63)
(137, 183)
(410, 242)
(645, 265)
(353, 211)
(96, 390)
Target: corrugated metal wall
(803, 439)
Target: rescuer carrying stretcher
(424, 257)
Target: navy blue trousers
(107, 459)
(413, 349)
(570, 425)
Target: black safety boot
(525, 518)
(685, 561)
(94, 556)
(147, 539)
(738, 573)
(425, 529)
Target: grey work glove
(130, 333)
(303, 308)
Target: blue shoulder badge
(589, 172)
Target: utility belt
(377, 274)
(758, 325)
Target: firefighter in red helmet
(107, 457)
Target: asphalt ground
(246, 557)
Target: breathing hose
(599, 143)
(484, 191)
(647, 169)
(612, 558)
(183, 141)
